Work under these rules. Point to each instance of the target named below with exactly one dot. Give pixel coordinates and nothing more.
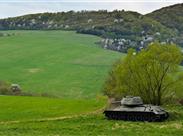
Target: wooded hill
(120, 29)
(171, 17)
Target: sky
(12, 8)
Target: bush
(15, 89)
(153, 74)
(9, 89)
(5, 88)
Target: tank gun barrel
(115, 102)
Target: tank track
(135, 116)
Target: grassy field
(58, 63)
(96, 125)
(29, 108)
(72, 67)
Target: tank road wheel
(130, 117)
(112, 115)
(109, 116)
(139, 118)
(146, 118)
(119, 116)
(127, 117)
(115, 116)
(123, 116)
(151, 118)
(136, 118)
(133, 118)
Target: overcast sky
(11, 8)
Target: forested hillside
(171, 17)
(120, 30)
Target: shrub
(153, 74)
(5, 88)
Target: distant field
(13, 108)
(59, 63)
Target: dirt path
(53, 118)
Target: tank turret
(132, 109)
(131, 101)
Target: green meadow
(22, 108)
(56, 63)
(91, 124)
(72, 68)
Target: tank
(132, 109)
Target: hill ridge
(131, 29)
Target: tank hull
(135, 116)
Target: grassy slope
(61, 63)
(15, 108)
(97, 125)
(57, 70)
